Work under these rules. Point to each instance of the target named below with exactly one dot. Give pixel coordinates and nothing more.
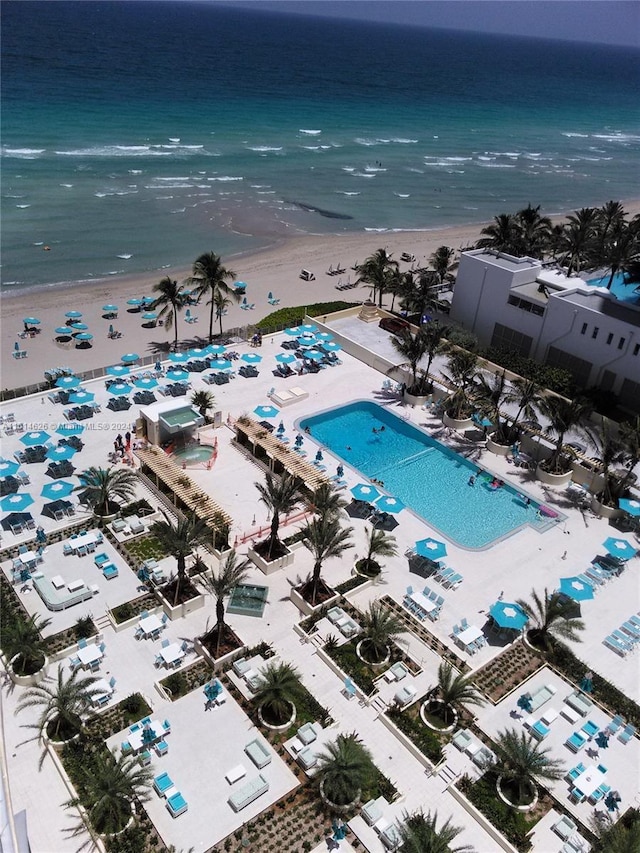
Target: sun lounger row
(448, 577)
(481, 755)
(624, 638)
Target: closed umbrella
(251, 357)
(340, 471)
(67, 382)
(81, 396)
(119, 389)
(285, 357)
(507, 615)
(61, 453)
(118, 370)
(59, 489)
(33, 439)
(389, 504)
(432, 548)
(129, 358)
(70, 429)
(17, 502)
(280, 427)
(16, 346)
(586, 685)
(365, 492)
(619, 548)
(299, 440)
(319, 456)
(576, 589)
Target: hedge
(295, 315)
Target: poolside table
(83, 539)
(423, 604)
(589, 780)
(138, 740)
(28, 559)
(172, 654)
(89, 655)
(469, 635)
(150, 625)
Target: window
(594, 334)
(621, 343)
(636, 349)
(609, 338)
(578, 367)
(525, 305)
(583, 330)
(509, 339)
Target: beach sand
(275, 269)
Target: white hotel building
(522, 305)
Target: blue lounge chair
(456, 630)
(125, 746)
(101, 559)
(539, 730)
(615, 645)
(67, 549)
(614, 725)
(627, 733)
(575, 742)
(576, 795)
(162, 747)
(162, 783)
(590, 729)
(177, 804)
(110, 571)
(112, 682)
(602, 768)
(166, 726)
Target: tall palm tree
(575, 243)
(279, 495)
(461, 366)
(549, 620)
(443, 263)
(612, 451)
(62, 701)
(427, 341)
(524, 763)
(101, 488)
(630, 438)
(279, 688)
(208, 277)
(326, 539)
(563, 415)
(526, 395)
(455, 689)
(109, 785)
(345, 767)
(222, 303)
(419, 295)
(220, 585)
(420, 834)
(326, 501)
(179, 538)
(621, 250)
(501, 234)
(379, 544)
(490, 394)
(375, 272)
(616, 836)
(380, 628)
(535, 231)
(610, 216)
(171, 301)
(203, 401)
(22, 643)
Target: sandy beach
(275, 269)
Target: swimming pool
(193, 454)
(624, 292)
(430, 478)
(248, 600)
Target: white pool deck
(512, 567)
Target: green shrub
(347, 659)
(84, 628)
(176, 684)
(412, 726)
(554, 378)
(511, 823)
(295, 315)
(351, 583)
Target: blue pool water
(624, 292)
(430, 478)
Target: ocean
(138, 135)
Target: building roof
(607, 305)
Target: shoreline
(273, 269)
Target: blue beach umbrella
(619, 548)
(67, 382)
(110, 309)
(70, 429)
(134, 301)
(59, 489)
(314, 355)
(285, 357)
(150, 315)
(220, 364)
(576, 589)
(307, 342)
(331, 346)
(480, 420)
(63, 330)
(389, 504)
(81, 397)
(240, 285)
(146, 382)
(266, 411)
(507, 615)
(197, 353)
(630, 506)
(293, 331)
(148, 300)
(73, 315)
(251, 357)
(118, 370)
(129, 358)
(31, 321)
(309, 329)
(432, 548)
(178, 357)
(33, 439)
(324, 336)
(177, 375)
(84, 336)
(61, 453)
(299, 440)
(8, 468)
(281, 427)
(119, 389)
(16, 346)
(365, 492)
(17, 502)
(215, 349)
(79, 327)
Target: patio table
(150, 625)
(89, 655)
(83, 540)
(589, 780)
(235, 773)
(469, 636)
(424, 605)
(28, 557)
(172, 654)
(138, 740)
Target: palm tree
(524, 762)
(429, 341)
(209, 277)
(101, 488)
(222, 303)
(379, 544)
(345, 767)
(109, 785)
(380, 628)
(279, 495)
(326, 501)
(203, 401)
(549, 620)
(375, 272)
(22, 643)
(616, 836)
(526, 395)
(326, 539)
(455, 689)
(462, 366)
(279, 688)
(502, 234)
(612, 451)
(220, 585)
(419, 295)
(575, 243)
(563, 415)
(63, 702)
(420, 834)
(171, 301)
(443, 263)
(630, 438)
(179, 538)
(621, 250)
(610, 216)
(535, 231)
(490, 394)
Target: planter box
(218, 664)
(270, 566)
(30, 680)
(555, 480)
(304, 606)
(605, 511)
(498, 449)
(458, 424)
(196, 603)
(413, 400)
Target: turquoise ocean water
(138, 135)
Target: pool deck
(511, 568)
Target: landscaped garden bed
(190, 678)
(143, 548)
(507, 671)
(83, 629)
(132, 608)
(410, 724)
(119, 717)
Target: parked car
(394, 325)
